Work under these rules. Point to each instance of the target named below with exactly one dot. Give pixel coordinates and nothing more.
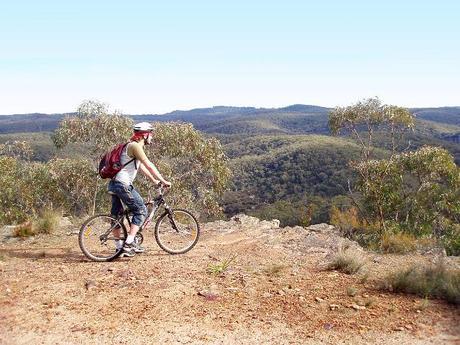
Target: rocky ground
(275, 291)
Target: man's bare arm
(152, 169)
(147, 173)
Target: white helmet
(143, 127)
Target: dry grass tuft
(399, 243)
(346, 262)
(24, 230)
(428, 281)
(48, 222)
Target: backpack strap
(126, 145)
(129, 162)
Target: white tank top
(129, 172)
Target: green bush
(11, 208)
(451, 239)
(30, 187)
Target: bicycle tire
(180, 240)
(91, 243)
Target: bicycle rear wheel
(177, 231)
(98, 235)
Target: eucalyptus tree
(17, 149)
(363, 119)
(410, 191)
(96, 128)
(196, 165)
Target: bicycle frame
(155, 203)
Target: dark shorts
(130, 197)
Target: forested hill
(29, 122)
(294, 119)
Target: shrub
(417, 190)
(429, 281)
(27, 188)
(346, 262)
(348, 220)
(287, 212)
(221, 267)
(25, 229)
(352, 291)
(451, 240)
(398, 243)
(48, 222)
(355, 228)
(11, 209)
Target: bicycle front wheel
(177, 231)
(98, 237)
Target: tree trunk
(94, 196)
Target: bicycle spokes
(98, 237)
(177, 231)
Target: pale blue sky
(158, 56)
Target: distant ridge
(292, 119)
(304, 108)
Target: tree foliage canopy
(196, 165)
(416, 192)
(366, 117)
(95, 127)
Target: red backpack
(110, 163)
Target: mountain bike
(176, 230)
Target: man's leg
(117, 209)
(135, 204)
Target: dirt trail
(272, 293)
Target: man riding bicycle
(122, 189)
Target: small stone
(208, 295)
(399, 329)
(334, 306)
(409, 327)
(90, 284)
(319, 299)
(357, 307)
(64, 221)
(328, 326)
(267, 295)
(281, 293)
(365, 295)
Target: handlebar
(162, 190)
